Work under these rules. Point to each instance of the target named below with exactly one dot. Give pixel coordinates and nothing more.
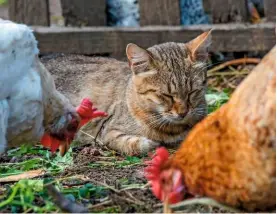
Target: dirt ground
(126, 189)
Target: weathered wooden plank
(30, 12)
(103, 40)
(159, 12)
(270, 10)
(84, 12)
(226, 11)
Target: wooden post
(226, 11)
(84, 12)
(159, 12)
(270, 10)
(30, 12)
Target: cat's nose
(182, 114)
(180, 110)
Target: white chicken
(30, 105)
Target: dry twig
(25, 175)
(235, 62)
(100, 204)
(231, 73)
(101, 183)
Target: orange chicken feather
(230, 156)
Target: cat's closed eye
(168, 96)
(152, 96)
(147, 91)
(194, 94)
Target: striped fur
(157, 103)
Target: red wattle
(46, 141)
(50, 142)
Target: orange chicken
(230, 156)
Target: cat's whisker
(154, 123)
(211, 65)
(166, 71)
(163, 124)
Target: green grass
(43, 160)
(22, 195)
(216, 99)
(128, 162)
(30, 195)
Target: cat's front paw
(147, 145)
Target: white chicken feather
(29, 102)
(18, 48)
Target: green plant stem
(18, 203)
(11, 197)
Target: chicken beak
(166, 208)
(64, 147)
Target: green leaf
(133, 159)
(216, 99)
(29, 195)
(14, 209)
(89, 185)
(35, 185)
(32, 164)
(47, 181)
(84, 192)
(23, 149)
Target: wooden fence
(159, 22)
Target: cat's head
(169, 81)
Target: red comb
(86, 113)
(153, 169)
(85, 108)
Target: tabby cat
(154, 100)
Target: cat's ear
(139, 58)
(199, 46)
